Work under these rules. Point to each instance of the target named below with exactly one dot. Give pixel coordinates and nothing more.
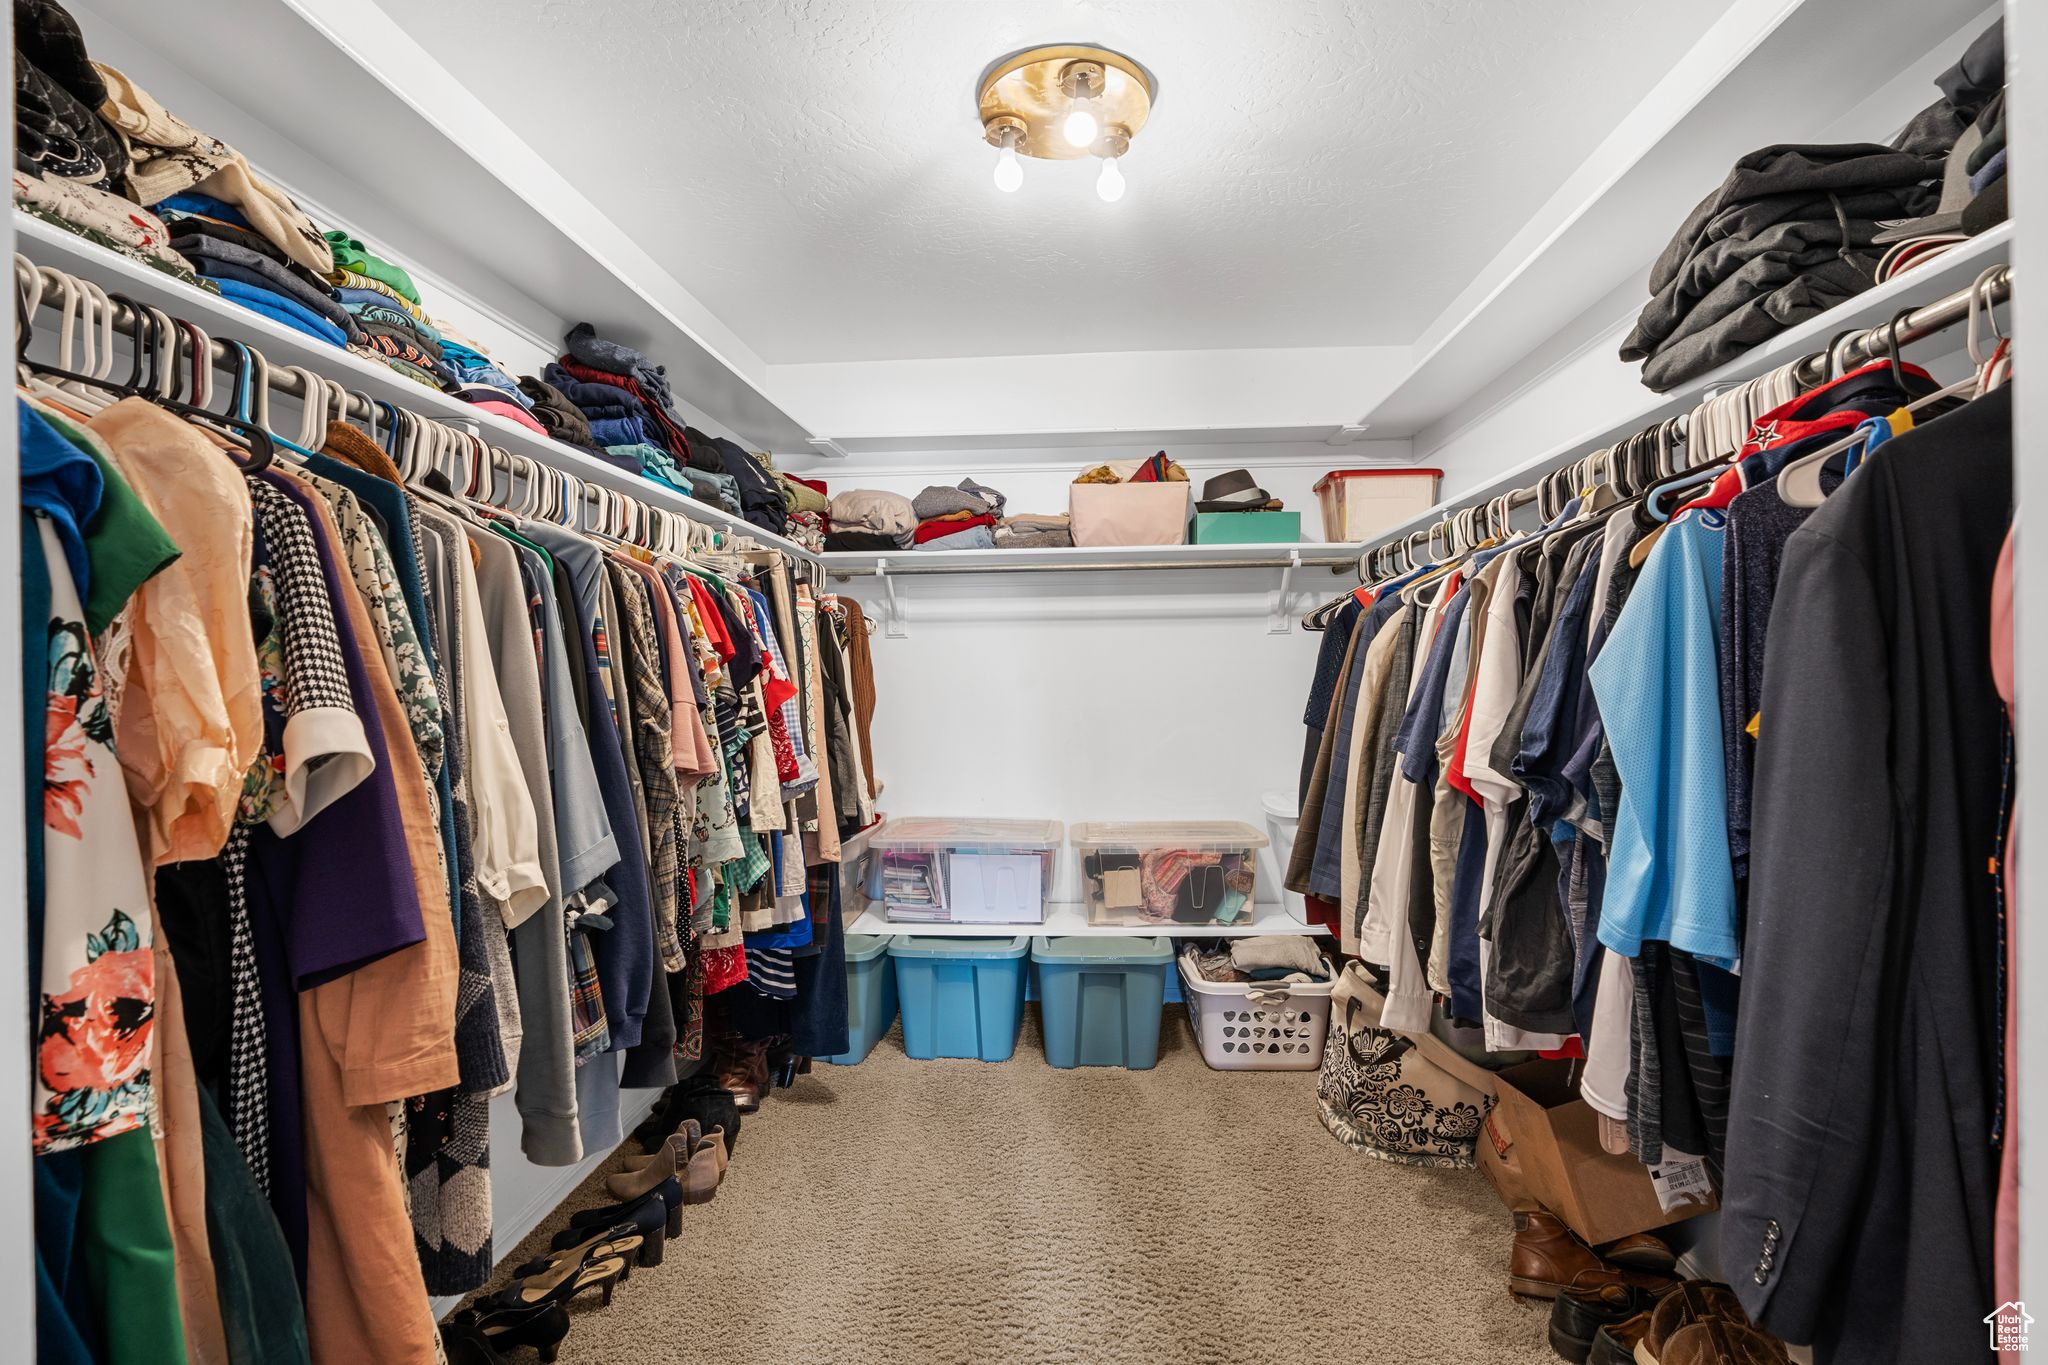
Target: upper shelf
(1339, 558)
(52, 246)
(1874, 307)
(421, 168)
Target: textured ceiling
(1314, 173)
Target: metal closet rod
(1846, 352)
(841, 573)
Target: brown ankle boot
(1548, 1258)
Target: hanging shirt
(1658, 681)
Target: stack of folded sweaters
(609, 398)
(870, 519)
(958, 518)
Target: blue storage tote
(870, 996)
(1100, 999)
(960, 997)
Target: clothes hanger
(1799, 483)
(261, 449)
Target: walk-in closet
(928, 682)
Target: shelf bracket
(1276, 620)
(892, 619)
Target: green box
(1247, 528)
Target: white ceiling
(1315, 174)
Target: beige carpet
(903, 1211)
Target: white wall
(1092, 696)
(1324, 386)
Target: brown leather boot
(1640, 1251)
(1720, 1342)
(1549, 1258)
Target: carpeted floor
(952, 1211)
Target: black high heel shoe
(642, 1237)
(465, 1347)
(670, 1194)
(648, 1214)
(495, 1330)
(569, 1273)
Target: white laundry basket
(1257, 1026)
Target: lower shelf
(1063, 919)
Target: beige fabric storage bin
(1362, 504)
(1129, 513)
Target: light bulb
(1110, 184)
(1082, 127)
(1009, 171)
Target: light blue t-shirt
(1658, 682)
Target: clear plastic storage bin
(1169, 872)
(1358, 504)
(948, 870)
(855, 850)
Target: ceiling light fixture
(1061, 104)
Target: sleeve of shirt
(1807, 1076)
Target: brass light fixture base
(1035, 89)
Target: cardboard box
(1541, 1143)
(1129, 513)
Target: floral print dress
(96, 994)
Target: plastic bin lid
(933, 946)
(933, 832)
(1335, 474)
(1102, 951)
(1198, 836)
(1281, 804)
(866, 947)
(857, 841)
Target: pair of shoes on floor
(480, 1335)
(1549, 1259)
(1696, 1323)
(700, 1097)
(694, 1158)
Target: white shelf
(1874, 307)
(1109, 558)
(1069, 919)
(52, 246)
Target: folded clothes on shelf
(167, 156)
